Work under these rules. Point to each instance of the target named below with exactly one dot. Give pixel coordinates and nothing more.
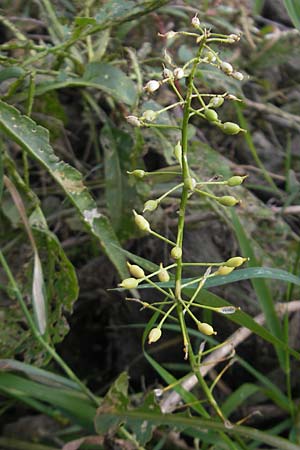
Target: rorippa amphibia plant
(205, 106)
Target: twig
(169, 403)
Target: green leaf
(70, 402)
(195, 423)
(121, 196)
(117, 396)
(113, 176)
(60, 277)
(242, 319)
(262, 290)
(238, 397)
(112, 80)
(34, 139)
(11, 72)
(293, 9)
(1, 172)
(270, 389)
(103, 76)
(118, 11)
(36, 374)
(251, 273)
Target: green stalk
(180, 231)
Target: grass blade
(71, 403)
(263, 293)
(36, 374)
(184, 422)
(293, 9)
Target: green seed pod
(129, 283)
(163, 274)
(236, 180)
(149, 115)
(211, 115)
(227, 200)
(178, 152)
(236, 261)
(216, 102)
(226, 67)
(141, 222)
(230, 128)
(205, 328)
(136, 271)
(138, 173)
(154, 335)
(176, 252)
(224, 270)
(150, 205)
(210, 57)
(190, 183)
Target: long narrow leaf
(293, 9)
(36, 374)
(263, 292)
(183, 422)
(251, 273)
(68, 401)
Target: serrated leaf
(34, 139)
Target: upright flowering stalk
(170, 278)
